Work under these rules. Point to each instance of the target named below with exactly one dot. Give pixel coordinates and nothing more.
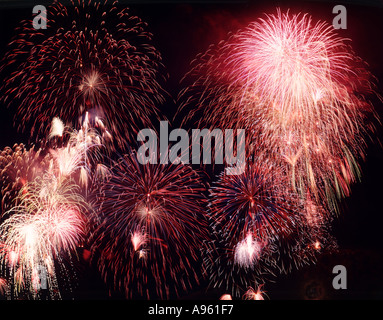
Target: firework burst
(249, 213)
(79, 154)
(299, 90)
(252, 202)
(48, 223)
(18, 165)
(150, 219)
(91, 57)
(252, 294)
(45, 213)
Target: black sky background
(181, 30)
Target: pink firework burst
(299, 90)
(47, 224)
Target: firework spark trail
(92, 57)
(298, 89)
(149, 217)
(3, 286)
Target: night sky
(183, 29)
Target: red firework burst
(92, 57)
(150, 218)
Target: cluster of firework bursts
(299, 91)
(44, 211)
(92, 80)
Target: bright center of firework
(90, 82)
(317, 245)
(30, 235)
(146, 212)
(247, 251)
(252, 202)
(13, 257)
